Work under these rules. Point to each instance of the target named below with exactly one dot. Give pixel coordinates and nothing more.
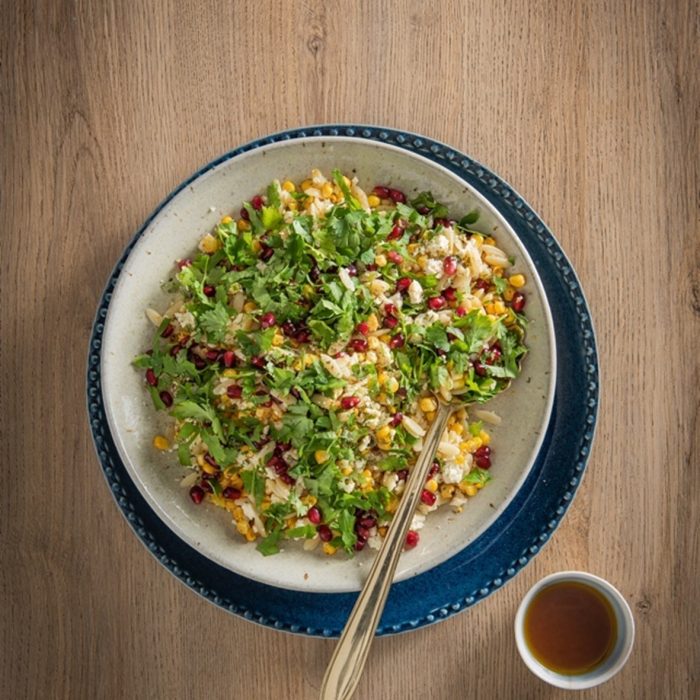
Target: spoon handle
(348, 660)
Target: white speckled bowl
(174, 233)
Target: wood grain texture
(589, 109)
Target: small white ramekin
(623, 644)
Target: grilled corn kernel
(461, 414)
(470, 489)
(249, 306)
(292, 206)
(372, 322)
(490, 308)
(392, 505)
(489, 241)
(427, 404)
(288, 186)
(326, 190)
(472, 444)
(277, 339)
(297, 365)
(517, 281)
(206, 467)
(346, 471)
(509, 293)
(226, 220)
(160, 442)
(309, 359)
(485, 437)
(447, 491)
(500, 307)
(309, 500)
(381, 378)
(412, 248)
(373, 200)
(392, 385)
(250, 536)
(321, 456)
(306, 184)
(380, 260)
(209, 244)
(243, 225)
(422, 261)
(366, 473)
(429, 416)
(384, 433)
(478, 238)
(458, 428)
(431, 485)
(329, 549)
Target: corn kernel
(288, 186)
(381, 397)
(470, 490)
(277, 339)
(306, 184)
(431, 485)
(250, 536)
(321, 456)
(499, 307)
(372, 322)
(326, 190)
(392, 385)
(485, 437)
(461, 414)
(422, 261)
(490, 308)
(226, 220)
(480, 485)
(392, 505)
(346, 471)
(292, 206)
(382, 530)
(373, 200)
(478, 239)
(517, 281)
(243, 225)
(509, 294)
(309, 359)
(380, 260)
(242, 527)
(297, 365)
(458, 428)
(208, 468)
(249, 306)
(160, 442)
(427, 404)
(447, 491)
(209, 244)
(366, 473)
(489, 241)
(472, 444)
(459, 459)
(329, 549)
(412, 248)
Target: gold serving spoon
(350, 655)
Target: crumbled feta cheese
(415, 292)
(433, 267)
(185, 319)
(439, 246)
(417, 522)
(451, 473)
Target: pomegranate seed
(368, 521)
(396, 419)
(479, 369)
(348, 402)
(482, 284)
(185, 262)
(169, 330)
(397, 196)
(460, 311)
(151, 377)
(267, 320)
(324, 532)
(234, 391)
(382, 192)
(482, 457)
(436, 303)
(314, 273)
(403, 284)
(518, 302)
(212, 354)
(423, 210)
(167, 398)
(303, 335)
(208, 290)
(231, 493)
(362, 532)
(434, 469)
(412, 538)
(362, 328)
(244, 214)
(266, 252)
(205, 485)
(359, 545)
(358, 345)
(257, 202)
(396, 342)
(229, 359)
(449, 265)
(351, 270)
(450, 294)
(427, 497)
(278, 463)
(395, 233)
(445, 223)
(390, 309)
(493, 356)
(371, 267)
(197, 494)
(288, 328)
(211, 461)
(289, 480)
(258, 362)
(314, 515)
(199, 362)
(395, 257)
(283, 447)
(402, 474)
(391, 321)
(175, 350)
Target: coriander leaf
(254, 484)
(214, 322)
(425, 200)
(477, 476)
(470, 218)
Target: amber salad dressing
(570, 627)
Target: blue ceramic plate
(505, 546)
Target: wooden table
(589, 109)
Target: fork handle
(350, 655)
